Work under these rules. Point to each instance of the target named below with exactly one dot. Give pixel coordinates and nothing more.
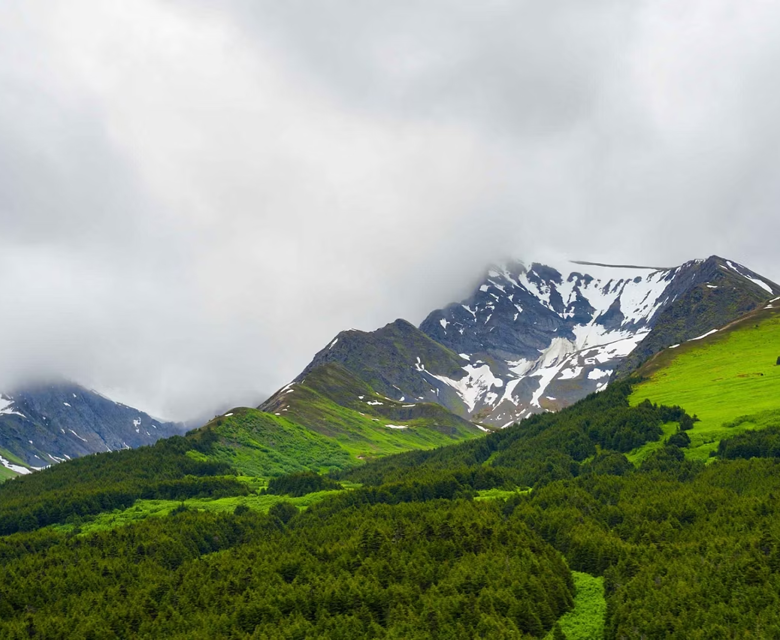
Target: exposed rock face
(48, 423)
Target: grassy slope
(730, 380)
(723, 298)
(143, 509)
(334, 403)
(262, 444)
(6, 473)
(586, 620)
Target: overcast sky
(194, 200)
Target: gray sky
(193, 200)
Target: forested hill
(478, 539)
(442, 543)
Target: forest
(408, 546)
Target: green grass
(330, 421)
(499, 494)
(6, 473)
(729, 380)
(638, 455)
(261, 445)
(334, 403)
(144, 509)
(586, 620)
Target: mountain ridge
(47, 422)
(535, 337)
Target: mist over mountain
(46, 423)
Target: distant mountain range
(538, 337)
(47, 423)
(531, 338)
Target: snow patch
(704, 335)
(14, 467)
(570, 374)
(475, 384)
(7, 407)
(743, 271)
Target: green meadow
(730, 380)
(586, 620)
(143, 509)
(499, 494)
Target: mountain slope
(718, 292)
(334, 402)
(263, 444)
(44, 424)
(397, 361)
(540, 337)
(730, 379)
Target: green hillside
(729, 379)
(722, 297)
(262, 444)
(127, 542)
(334, 403)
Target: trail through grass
(586, 620)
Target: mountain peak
(552, 333)
(46, 422)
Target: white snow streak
(704, 335)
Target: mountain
(536, 337)
(47, 423)
(539, 337)
(601, 520)
(398, 361)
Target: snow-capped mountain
(539, 337)
(48, 423)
